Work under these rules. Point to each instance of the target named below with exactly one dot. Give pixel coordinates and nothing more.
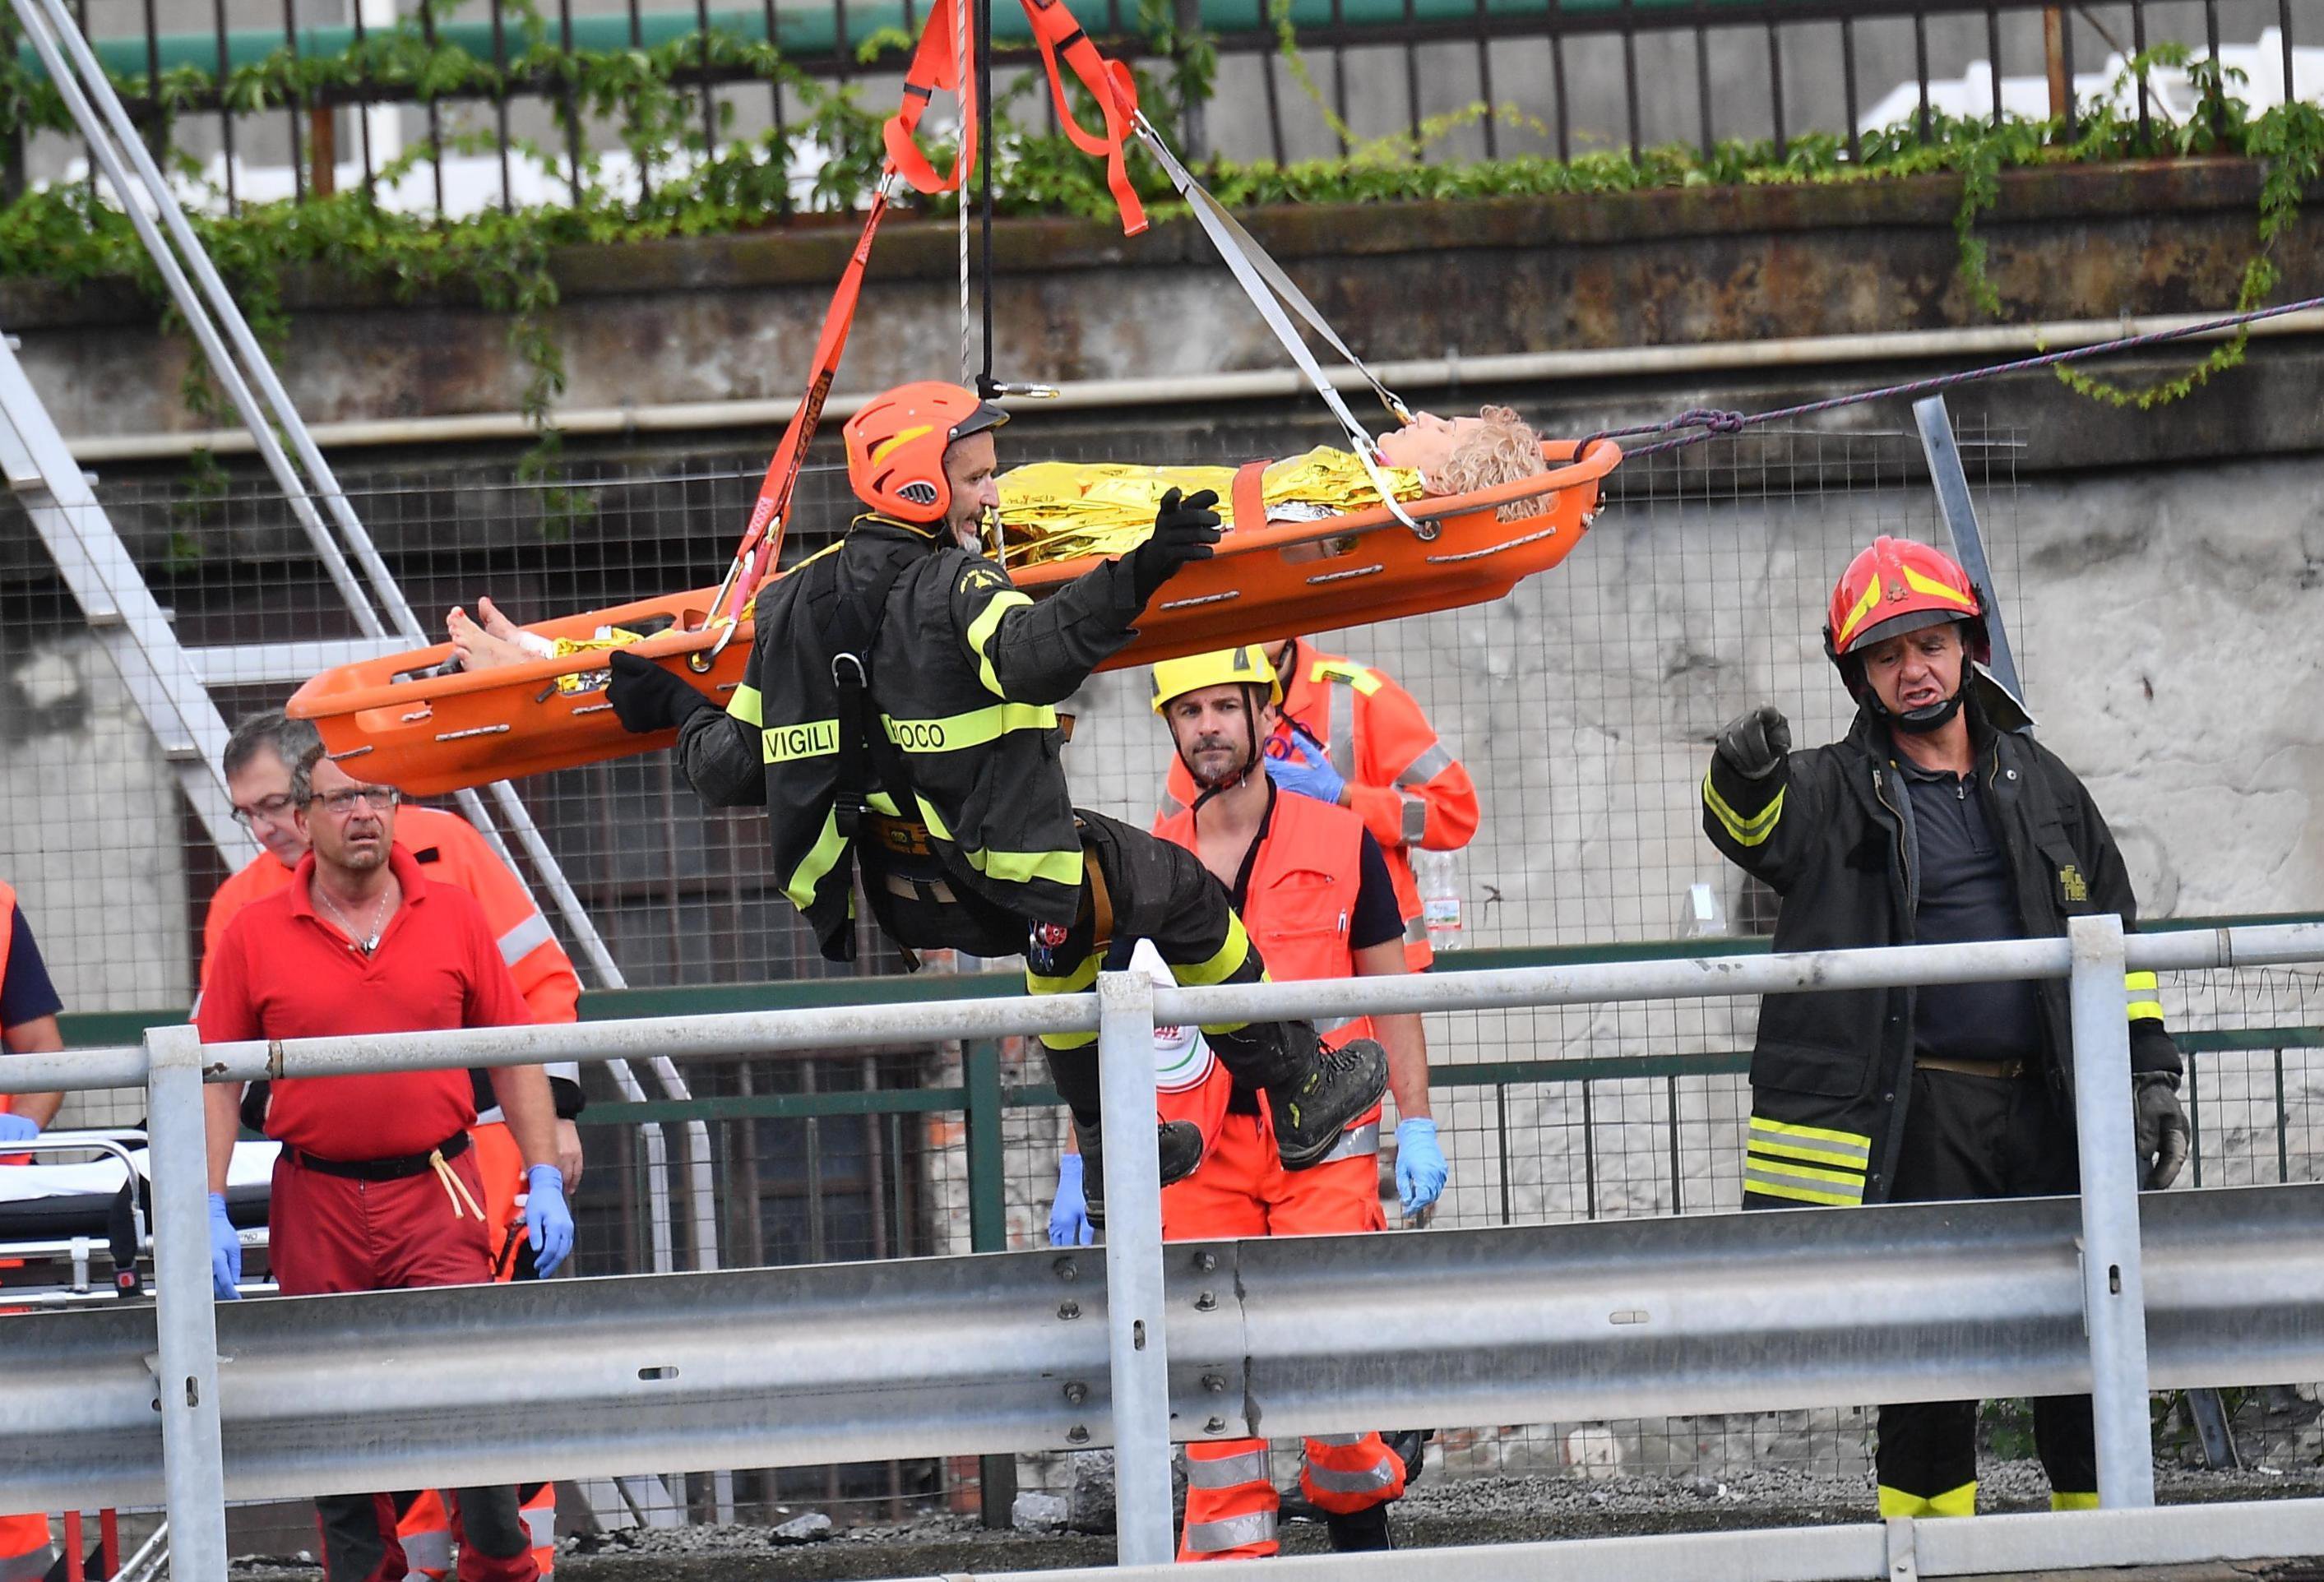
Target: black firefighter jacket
(965, 673)
(1830, 1071)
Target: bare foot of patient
(498, 641)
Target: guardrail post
(1133, 1270)
(193, 1463)
(2114, 1293)
(988, 1232)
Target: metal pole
(1133, 1269)
(186, 1377)
(1951, 481)
(2114, 1301)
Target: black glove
(647, 697)
(1753, 744)
(2162, 1126)
(1184, 531)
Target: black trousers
(360, 1543)
(1969, 1137)
(1161, 892)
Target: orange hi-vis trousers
(1243, 1190)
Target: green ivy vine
(683, 185)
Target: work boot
(1314, 1106)
(1363, 1530)
(1178, 1143)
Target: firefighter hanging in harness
(898, 709)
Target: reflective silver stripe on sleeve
(1415, 931)
(1343, 729)
(1210, 1538)
(1414, 825)
(427, 1554)
(1426, 766)
(525, 938)
(540, 1525)
(1371, 1480)
(1354, 1143)
(1227, 1471)
(1324, 1024)
(1335, 1439)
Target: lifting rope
(1708, 421)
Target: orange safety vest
(1403, 781)
(8, 943)
(1300, 904)
(543, 972)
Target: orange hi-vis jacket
(452, 853)
(1402, 780)
(7, 943)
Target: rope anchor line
(1705, 422)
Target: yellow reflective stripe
(809, 873)
(1953, 1502)
(881, 802)
(1864, 607)
(1354, 674)
(1073, 982)
(1782, 1128)
(1746, 832)
(2073, 1502)
(2134, 980)
(1775, 1188)
(781, 744)
(744, 705)
(2139, 1009)
(981, 631)
(1018, 868)
(1817, 1156)
(1841, 1177)
(1937, 590)
(1223, 963)
(974, 729)
(1061, 867)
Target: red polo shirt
(284, 970)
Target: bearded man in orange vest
(1347, 734)
(1312, 884)
(257, 766)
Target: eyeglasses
(340, 802)
(270, 809)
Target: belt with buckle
(402, 1167)
(2015, 1066)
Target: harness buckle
(851, 662)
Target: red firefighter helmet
(896, 446)
(1893, 587)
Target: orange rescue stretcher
(397, 722)
(394, 724)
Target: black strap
(850, 632)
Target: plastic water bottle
(1438, 874)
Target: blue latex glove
(1420, 1167)
(547, 1221)
(1069, 1223)
(17, 1128)
(226, 1252)
(1296, 763)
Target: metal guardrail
(824, 43)
(201, 1438)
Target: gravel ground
(1472, 1511)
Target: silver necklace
(379, 918)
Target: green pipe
(804, 32)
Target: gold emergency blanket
(1055, 510)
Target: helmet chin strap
(1928, 717)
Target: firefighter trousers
(1972, 1137)
(1155, 890)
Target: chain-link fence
(1582, 705)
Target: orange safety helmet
(1897, 586)
(896, 446)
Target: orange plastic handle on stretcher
(433, 734)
